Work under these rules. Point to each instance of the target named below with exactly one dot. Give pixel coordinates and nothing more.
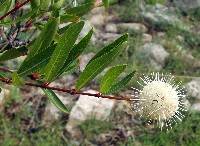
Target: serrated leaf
(13, 53)
(101, 61)
(55, 100)
(75, 52)
(37, 62)
(16, 79)
(112, 45)
(121, 84)
(45, 38)
(62, 51)
(110, 77)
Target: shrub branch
(69, 91)
(17, 7)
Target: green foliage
(184, 134)
(80, 10)
(75, 52)
(36, 62)
(62, 51)
(5, 6)
(44, 4)
(100, 61)
(93, 127)
(52, 51)
(17, 80)
(46, 37)
(35, 4)
(13, 53)
(110, 77)
(122, 83)
(55, 100)
(106, 3)
(153, 2)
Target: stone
(153, 54)
(195, 107)
(147, 38)
(84, 59)
(52, 113)
(97, 18)
(88, 107)
(193, 88)
(163, 17)
(3, 95)
(108, 37)
(111, 27)
(87, 27)
(186, 5)
(136, 27)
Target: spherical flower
(161, 100)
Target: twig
(17, 7)
(70, 91)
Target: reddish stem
(17, 7)
(70, 91)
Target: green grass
(186, 133)
(91, 128)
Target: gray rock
(193, 88)
(3, 95)
(108, 37)
(162, 17)
(111, 27)
(97, 18)
(154, 55)
(186, 5)
(195, 107)
(52, 113)
(88, 107)
(84, 59)
(147, 38)
(136, 27)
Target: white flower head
(161, 100)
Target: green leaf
(3, 74)
(110, 77)
(37, 62)
(69, 18)
(16, 79)
(62, 51)
(19, 19)
(35, 4)
(45, 38)
(110, 47)
(13, 53)
(76, 12)
(100, 61)
(55, 100)
(76, 51)
(5, 6)
(44, 4)
(121, 84)
(57, 4)
(106, 3)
